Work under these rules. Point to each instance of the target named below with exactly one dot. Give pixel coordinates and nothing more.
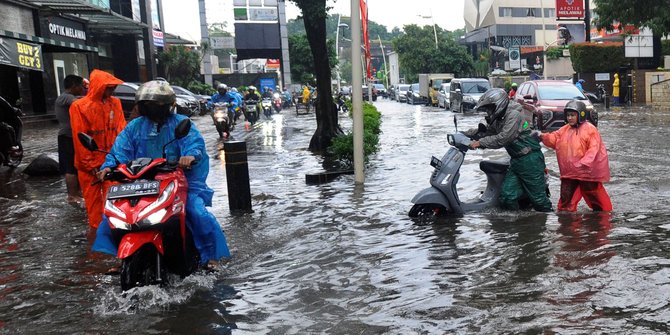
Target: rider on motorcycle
(10, 121)
(145, 136)
(267, 94)
(223, 95)
(252, 95)
(506, 127)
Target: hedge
(342, 147)
(597, 57)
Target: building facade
(43, 41)
(497, 25)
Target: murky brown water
(341, 259)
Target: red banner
(366, 38)
(570, 9)
(272, 64)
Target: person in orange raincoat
(582, 160)
(99, 115)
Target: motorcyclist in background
(240, 102)
(507, 127)
(267, 93)
(146, 136)
(9, 115)
(223, 95)
(252, 94)
(580, 85)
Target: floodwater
(344, 259)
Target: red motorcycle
(146, 208)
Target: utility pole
(587, 19)
(384, 58)
(357, 92)
(204, 38)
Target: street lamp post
(337, 49)
(434, 30)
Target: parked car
(401, 92)
(545, 100)
(201, 99)
(126, 93)
(366, 93)
(465, 92)
(414, 96)
(443, 96)
(381, 90)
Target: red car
(545, 99)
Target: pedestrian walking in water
(582, 160)
(74, 88)
(99, 115)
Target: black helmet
(494, 102)
(579, 107)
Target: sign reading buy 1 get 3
(20, 54)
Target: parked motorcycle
(224, 119)
(341, 104)
(11, 128)
(441, 199)
(598, 96)
(146, 209)
(277, 102)
(251, 111)
(266, 104)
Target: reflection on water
(345, 259)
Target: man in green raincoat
(507, 127)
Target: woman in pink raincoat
(582, 161)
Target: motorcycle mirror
(87, 141)
(182, 129)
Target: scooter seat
(494, 166)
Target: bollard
(237, 174)
(606, 98)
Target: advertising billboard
(570, 9)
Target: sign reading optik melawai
(21, 54)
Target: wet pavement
(343, 259)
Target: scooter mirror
(87, 141)
(182, 129)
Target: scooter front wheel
(425, 211)
(142, 268)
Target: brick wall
(660, 94)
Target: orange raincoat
(580, 152)
(102, 120)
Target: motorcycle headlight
(165, 195)
(276, 95)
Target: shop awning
(175, 39)
(99, 18)
(49, 41)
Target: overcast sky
(181, 16)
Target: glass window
(531, 90)
(124, 90)
(476, 87)
(562, 92)
(550, 12)
(506, 11)
(403, 88)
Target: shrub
(342, 147)
(200, 88)
(597, 57)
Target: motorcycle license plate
(133, 189)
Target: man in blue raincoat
(145, 136)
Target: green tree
(327, 126)
(654, 14)
(302, 61)
(417, 53)
(181, 64)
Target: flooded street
(344, 259)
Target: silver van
(465, 92)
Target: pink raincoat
(580, 152)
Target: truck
(429, 84)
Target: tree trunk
(327, 127)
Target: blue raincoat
(139, 139)
(229, 97)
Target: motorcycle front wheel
(427, 211)
(142, 268)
